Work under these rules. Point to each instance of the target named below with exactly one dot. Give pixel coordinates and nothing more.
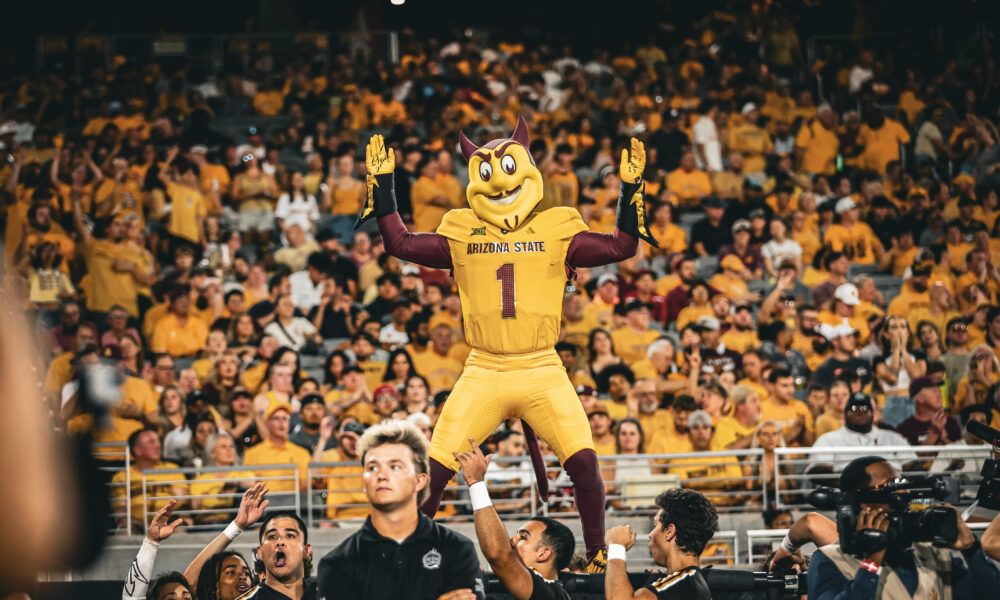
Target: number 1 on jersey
(505, 275)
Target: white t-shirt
(705, 133)
(844, 437)
(925, 136)
(302, 205)
(779, 253)
(305, 294)
(293, 335)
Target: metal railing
(798, 471)
(157, 491)
(117, 451)
(725, 546)
(335, 489)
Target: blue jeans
(896, 410)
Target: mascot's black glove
(381, 199)
(631, 217)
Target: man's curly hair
(692, 514)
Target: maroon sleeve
(427, 249)
(592, 249)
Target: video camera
(988, 495)
(935, 524)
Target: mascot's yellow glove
(381, 195)
(631, 216)
(633, 164)
(380, 162)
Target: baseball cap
(757, 213)
(634, 304)
(963, 178)
(916, 191)
(921, 383)
(845, 204)
(714, 202)
(848, 294)
(410, 270)
(707, 323)
(353, 428)
(385, 388)
(7, 128)
(275, 407)
(261, 309)
(841, 330)
(741, 225)
(351, 368)
(671, 115)
(732, 262)
(605, 171)
(922, 268)
(199, 149)
(240, 392)
(741, 305)
(857, 399)
(699, 417)
(586, 390)
(747, 108)
(311, 399)
(832, 332)
(598, 409)
(606, 278)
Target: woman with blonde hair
(206, 488)
(172, 410)
(981, 373)
(761, 469)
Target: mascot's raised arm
(509, 262)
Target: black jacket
(432, 561)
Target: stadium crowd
(827, 272)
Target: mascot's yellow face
(504, 183)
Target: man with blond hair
(399, 552)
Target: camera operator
(917, 570)
(682, 527)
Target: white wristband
(788, 546)
(231, 531)
(616, 551)
(479, 496)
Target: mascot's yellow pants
(493, 388)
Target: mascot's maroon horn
(520, 136)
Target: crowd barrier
(331, 493)
(798, 471)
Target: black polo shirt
(262, 592)
(432, 561)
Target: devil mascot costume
(510, 263)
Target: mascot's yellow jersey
(511, 284)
